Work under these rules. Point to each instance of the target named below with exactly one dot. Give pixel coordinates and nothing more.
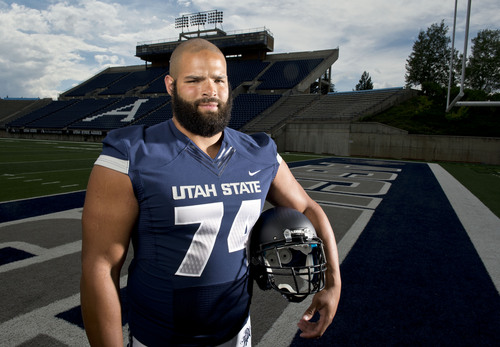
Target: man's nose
(209, 89)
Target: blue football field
(419, 261)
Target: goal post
(456, 101)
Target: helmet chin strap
(291, 297)
(286, 286)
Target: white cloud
(50, 41)
(104, 59)
(68, 41)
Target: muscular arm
(286, 191)
(109, 214)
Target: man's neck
(209, 145)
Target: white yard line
(482, 225)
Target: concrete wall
(381, 141)
(316, 138)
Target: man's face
(200, 93)
(196, 119)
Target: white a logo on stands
(129, 111)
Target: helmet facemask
(295, 267)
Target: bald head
(190, 46)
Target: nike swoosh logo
(253, 173)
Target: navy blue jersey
(188, 282)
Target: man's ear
(169, 84)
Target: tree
(483, 67)
(429, 61)
(325, 89)
(365, 83)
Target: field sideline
(34, 168)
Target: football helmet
(286, 254)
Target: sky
(49, 46)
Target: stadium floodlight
(198, 19)
(193, 19)
(182, 22)
(215, 17)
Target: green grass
(31, 168)
(290, 157)
(481, 180)
(426, 115)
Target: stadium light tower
(199, 19)
(182, 22)
(215, 17)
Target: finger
(312, 329)
(311, 310)
(309, 330)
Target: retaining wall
(381, 141)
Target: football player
(187, 192)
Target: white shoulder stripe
(278, 157)
(113, 163)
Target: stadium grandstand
(269, 90)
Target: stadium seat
(99, 82)
(286, 74)
(247, 106)
(70, 114)
(133, 80)
(119, 114)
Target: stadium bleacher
(268, 91)
(241, 71)
(112, 112)
(9, 108)
(99, 82)
(40, 113)
(134, 80)
(286, 74)
(120, 114)
(67, 115)
(155, 87)
(247, 106)
(350, 105)
(286, 108)
(161, 114)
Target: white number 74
(210, 217)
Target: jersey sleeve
(116, 146)
(265, 142)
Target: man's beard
(204, 124)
